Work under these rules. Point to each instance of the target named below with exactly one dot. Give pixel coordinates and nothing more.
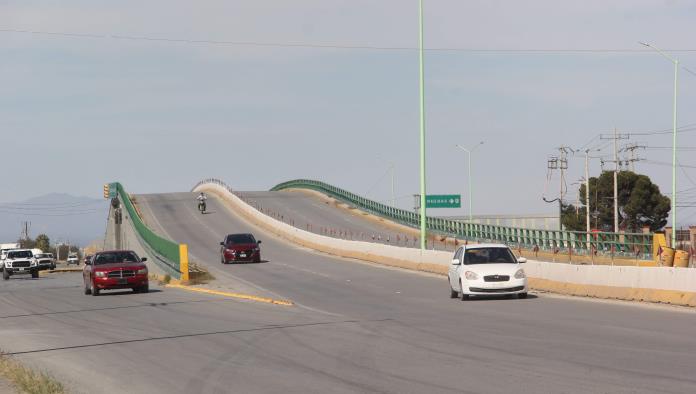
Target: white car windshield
(489, 256)
(20, 254)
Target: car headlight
(142, 271)
(8, 264)
(470, 275)
(99, 274)
(520, 274)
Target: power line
(337, 46)
(662, 163)
(686, 148)
(681, 129)
(685, 173)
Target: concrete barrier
(654, 284)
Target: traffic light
(106, 190)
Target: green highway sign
(443, 201)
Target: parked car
(115, 269)
(46, 261)
(240, 248)
(486, 269)
(19, 261)
(73, 259)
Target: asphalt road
(303, 209)
(386, 330)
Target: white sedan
(486, 269)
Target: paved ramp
(406, 335)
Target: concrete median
(652, 284)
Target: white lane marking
(304, 270)
(229, 275)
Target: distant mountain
(63, 217)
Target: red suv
(240, 248)
(115, 269)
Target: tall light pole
(393, 199)
(468, 154)
(674, 142)
(421, 81)
(587, 198)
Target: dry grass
(27, 380)
(198, 275)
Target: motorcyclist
(201, 201)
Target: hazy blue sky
(158, 116)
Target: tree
(640, 204)
(43, 242)
(26, 243)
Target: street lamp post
(674, 142)
(423, 224)
(468, 154)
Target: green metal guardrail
(169, 250)
(626, 244)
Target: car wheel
(453, 294)
(522, 295)
(95, 290)
(145, 288)
(462, 296)
(5, 274)
(35, 274)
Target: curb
(673, 297)
(240, 296)
(177, 284)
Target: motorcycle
(201, 206)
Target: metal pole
(616, 188)
(587, 198)
(674, 143)
(392, 186)
(674, 159)
(470, 192)
(422, 127)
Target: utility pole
(562, 166)
(616, 137)
(632, 148)
(555, 163)
(24, 233)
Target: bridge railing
(169, 250)
(604, 243)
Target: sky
(328, 90)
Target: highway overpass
(354, 327)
